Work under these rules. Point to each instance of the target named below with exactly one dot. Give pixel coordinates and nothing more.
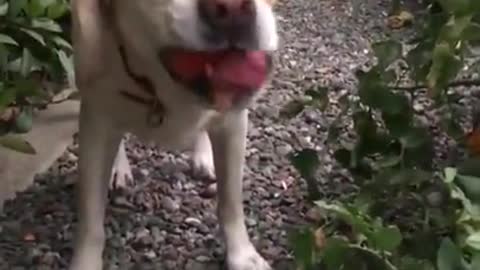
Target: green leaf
(303, 244)
(319, 96)
(470, 167)
(428, 249)
(471, 209)
(395, 177)
(4, 57)
(306, 162)
(394, 104)
(16, 7)
(16, 143)
(415, 137)
(57, 10)
(33, 34)
(24, 121)
(444, 68)
(398, 124)
(62, 43)
(4, 9)
(292, 109)
(387, 52)
(26, 64)
(473, 241)
(449, 256)
(455, 6)
(450, 174)
(348, 215)
(7, 40)
(67, 64)
(371, 90)
(335, 253)
(377, 95)
(409, 263)
(35, 8)
(453, 30)
(471, 186)
(476, 261)
(7, 96)
(472, 32)
(419, 60)
(387, 238)
(46, 24)
(365, 258)
(389, 161)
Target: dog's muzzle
(231, 22)
(224, 77)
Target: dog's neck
(157, 110)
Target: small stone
(202, 258)
(157, 235)
(121, 201)
(171, 265)
(283, 150)
(72, 157)
(144, 172)
(150, 254)
(210, 191)
(169, 204)
(193, 221)
(195, 265)
(251, 222)
(49, 258)
(171, 252)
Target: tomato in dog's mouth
(225, 75)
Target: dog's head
(224, 45)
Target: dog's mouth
(224, 76)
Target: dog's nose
(228, 16)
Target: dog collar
(156, 114)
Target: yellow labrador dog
(180, 73)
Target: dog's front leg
(98, 144)
(228, 143)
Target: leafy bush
(410, 212)
(34, 55)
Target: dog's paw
(121, 173)
(202, 158)
(247, 259)
(203, 165)
(90, 259)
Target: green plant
(410, 212)
(34, 53)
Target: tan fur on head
(271, 2)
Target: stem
(465, 83)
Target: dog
(182, 74)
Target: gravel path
(167, 221)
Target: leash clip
(156, 114)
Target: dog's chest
(169, 115)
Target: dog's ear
(91, 38)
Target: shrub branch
(459, 83)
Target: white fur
(121, 171)
(105, 116)
(202, 158)
(187, 24)
(266, 26)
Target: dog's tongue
(231, 73)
